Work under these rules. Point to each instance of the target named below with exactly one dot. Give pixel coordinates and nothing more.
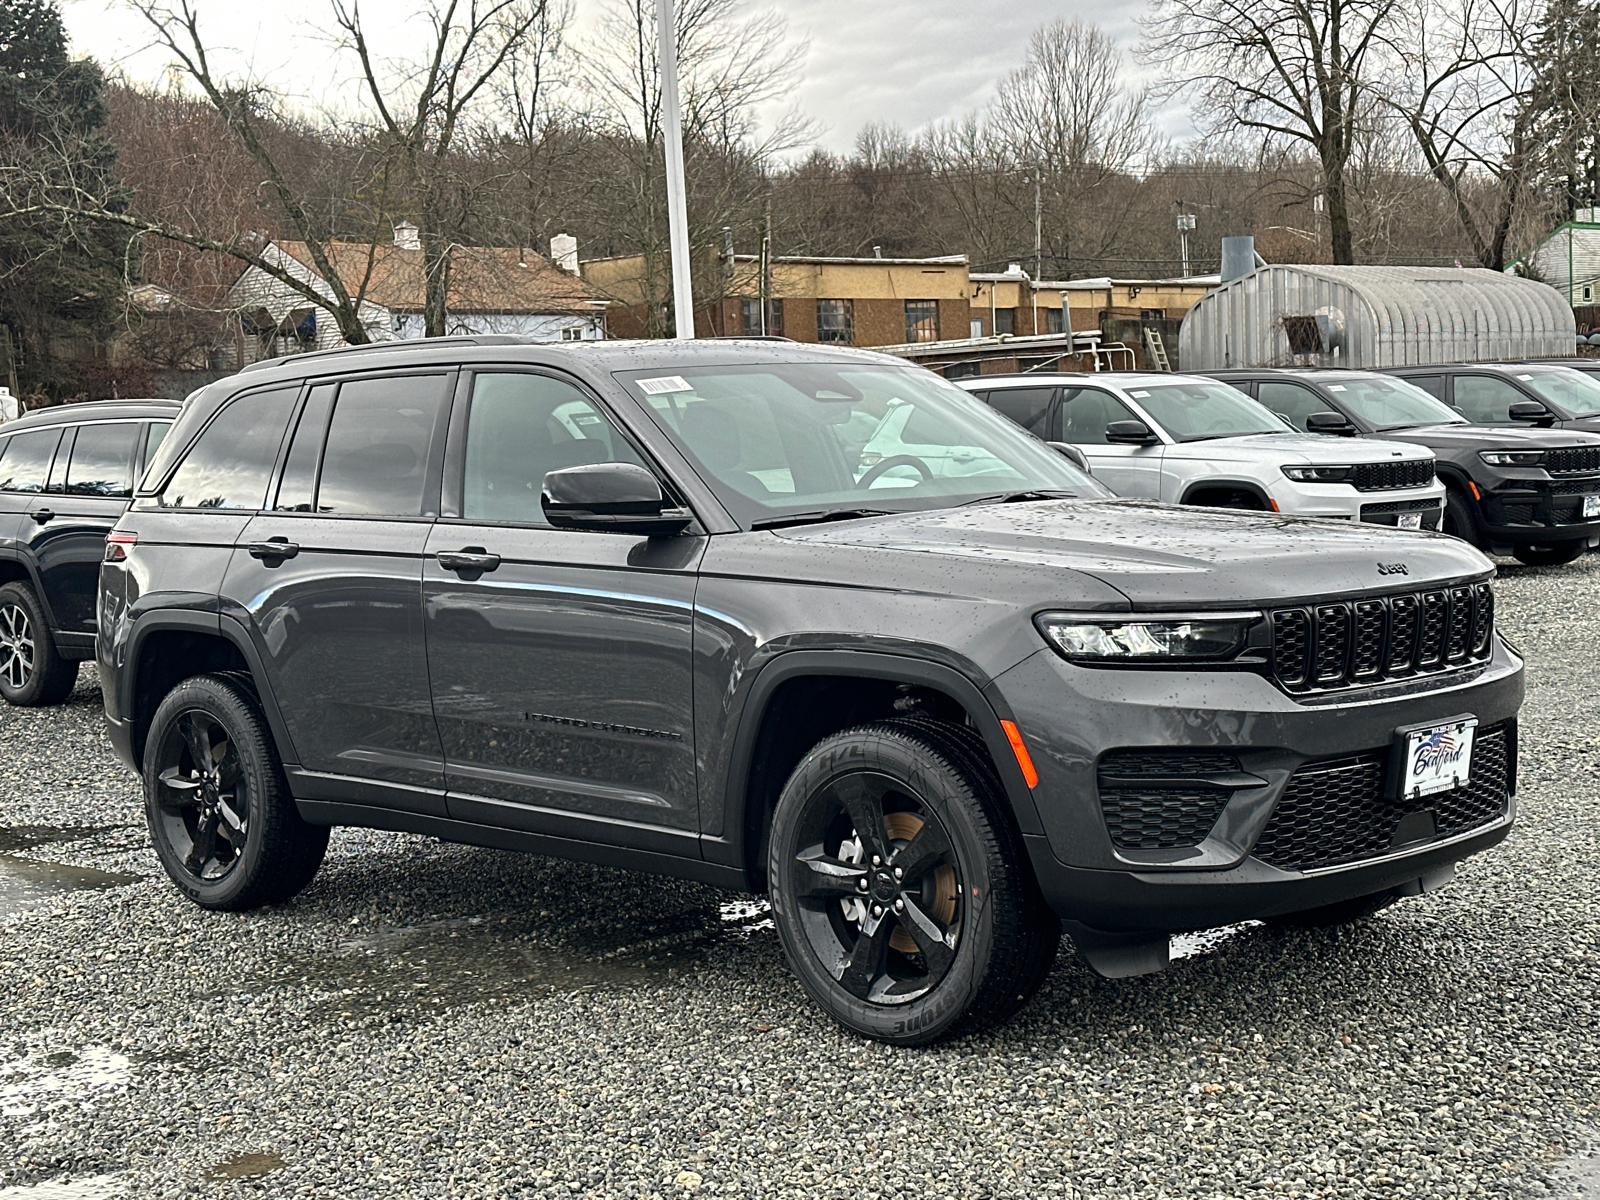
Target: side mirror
(1131, 433)
(1070, 452)
(1531, 410)
(610, 498)
(1333, 423)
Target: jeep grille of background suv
(1386, 476)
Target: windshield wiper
(1018, 497)
(819, 516)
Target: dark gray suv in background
(66, 475)
(659, 605)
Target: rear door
(25, 460)
(328, 580)
(560, 659)
(89, 488)
(1126, 470)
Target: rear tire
(1459, 520)
(32, 672)
(1344, 912)
(223, 822)
(1550, 554)
(972, 940)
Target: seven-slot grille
(1350, 643)
(1386, 476)
(1340, 811)
(1572, 459)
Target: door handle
(42, 515)
(472, 559)
(273, 548)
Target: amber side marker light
(1476, 494)
(1024, 759)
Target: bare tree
(1289, 70)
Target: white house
(493, 289)
(1569, 259)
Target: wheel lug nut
(876, 861)
(899, 906)
(861, 885)
(877, 910)
(898, 873)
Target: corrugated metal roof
(1373, 317)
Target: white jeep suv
(1184, 439)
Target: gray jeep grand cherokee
(655, 605)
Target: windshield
(1196, 412)
(803, 437)
(1571, 393)
(1392, 403)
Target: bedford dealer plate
(1591, 506)
(1413, 520)
(1437, 758)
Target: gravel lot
(434, 1020)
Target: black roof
(93, 410)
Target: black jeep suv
(1511, 489)
(1540, 394)
(657, 605)
(66, 475)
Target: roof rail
(475, 339)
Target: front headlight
(1318, 474)
(1179, 637)
(1512, 458)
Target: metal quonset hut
(1282, 315)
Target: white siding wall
(256, 289)
(1569, 261)
(531, 325)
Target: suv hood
(1488, 437)
(1159, 556)
(1293, 448)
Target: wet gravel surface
(433, 1020)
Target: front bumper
(1341, 502)
(1071, 717)
(1530, 507)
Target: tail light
(118, 545)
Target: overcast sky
(910, 62)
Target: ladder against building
(1156, 348)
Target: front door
(329, 581)
(89, 489)
(560, 659)
(1133, 471)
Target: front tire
(223, 822)
(1549, 554)
(32, 672)
(1459, 520)
(899, 888)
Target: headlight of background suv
(1318, 474)
(1175, 637)
(1512, 458)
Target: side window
(1292, 402)
(230, 465)
(298, 488)
(25, 463)
(102, 460)
(153, 437)
(376, 458)
(1087, 411)
(519, 429)
(1432, 384)
(1486, 400)
(1028, 407)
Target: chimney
(1238, 257)
(564, 252)
(405, 237)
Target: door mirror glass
(610, 497)
(1329, 422)
(1130, 433)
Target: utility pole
(766, 270)
(677, 202)
(1185, 225)
(1038, 247)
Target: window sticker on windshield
(1336, 387)
(1139, 395)
(663, 384)
(1524, 377)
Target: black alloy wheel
(1549, 554)
(898, 884)
(218, 806)
(32, 671)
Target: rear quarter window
(230, 464)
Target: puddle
(421, 969)
(246, 1166)
(97, 1187)
(748, 915)
(27, 882)
(1578, 1178)
(35, 1084)
(1204, 941)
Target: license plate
(1414, 520)
(1591, 506)
(1438, 758)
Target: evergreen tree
(60, 279)
(1566, 98)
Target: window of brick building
(836, 321)
(1053, 322)
(1005, 320)
(750, 316)
(922, 320)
